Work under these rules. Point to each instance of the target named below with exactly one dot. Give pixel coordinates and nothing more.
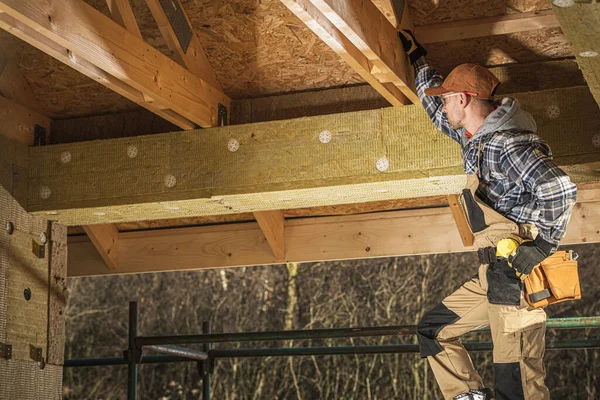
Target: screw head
(27, 294)
(10, 228)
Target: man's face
(454, 110)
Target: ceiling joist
(382, 234)
(335, 159)
(380, 58)
(483, 27)
(73, 28)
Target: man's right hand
(411, 46)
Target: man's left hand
(529, 254)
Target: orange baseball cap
(471, 78)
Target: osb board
(521, 47)
(283, 164)
(428, 12)
(259, 48)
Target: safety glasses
(445, 96)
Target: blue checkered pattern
(518, 177)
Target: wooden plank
(105, 44)
(272, 225)
(362, 23)
(460, 220)
(17, 122)
(105, 238)
(383, 234)
(194, 59)
(62, 54)
(347, 51)
(486, 27)
(121, 13)
(307, 162)
(581, 25)
(391, 8)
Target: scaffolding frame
(133, 356)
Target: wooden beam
(460, 220)
(396, 11)
(193, 58)
(272, 225)
(384, 154)
(106, 240)
(383, 234)
(110, 47)
(328, 33)
(122, 14)
(483, 27)
(364, 25)
(17, 122)
(581, 25)
(64, 55)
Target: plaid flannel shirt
(517, 175)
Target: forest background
(369, 292)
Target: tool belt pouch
(554, 280)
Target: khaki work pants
(493, 297)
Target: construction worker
(517, 183)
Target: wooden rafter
(193, 58)
(331, 35)
(486, 27)
(64, 55)
(383, 234)
(396, 11)
(272, 225)
(364, 25)
(107, 46)
(106, 240)
(121, 13)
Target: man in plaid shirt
(521, 184)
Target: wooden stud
(105, 238)
(461, 221)
(364, 25)
(486, 27)
(64, 55)
(121, 13)
(194, 59)
(329, 34)
(382, 234)
(272, 225)
(110, 47)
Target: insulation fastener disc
(553, 112)
(43, 238)
(132, 151)
(233, 145)
(65, 157)
(99, 213)
(382, 164)
(170, 181)
(325, 137)
(45, 192)
(589, 53)
(563, 3)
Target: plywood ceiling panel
(259, 48)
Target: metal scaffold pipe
(558, 323)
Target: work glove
(411, 46)
(528, 255)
